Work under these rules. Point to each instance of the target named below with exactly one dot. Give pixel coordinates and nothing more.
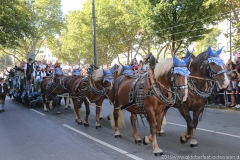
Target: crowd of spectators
(35, 71)
(138, 67)
(232, 92)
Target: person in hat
(28, 70)
(3, 92)
(57, 72)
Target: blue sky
(68, 5)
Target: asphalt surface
(31, 134)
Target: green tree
(47, 21)
(15, 22)
(209, 39)
(5, 61)
(119, 30)
(180, 22)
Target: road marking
(104, 143)
(207, 130)
(38, 112)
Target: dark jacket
(5, 88)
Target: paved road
(27, 134)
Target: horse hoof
(138, 141)
(144, 142)
(158, 154)
(101, 118)
(108, 118)
(69, 106)
(80, 123)
(194, 145)
(86, 125)
(76, 121)
(118, 136)
(58, 113)
(161, 134)
(98, 127)
(182, 141)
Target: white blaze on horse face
(186, 90)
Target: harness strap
(200, 78)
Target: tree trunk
(128, 57)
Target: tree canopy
(123, 27)
(180, 22)
(46, 20)
(15, 23)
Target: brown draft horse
(206, 68)
(72, 85)
(91, 89)
(52, 90)
(152, 99)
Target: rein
(212, 74)
(200, 78)
(92, 87)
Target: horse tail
(121, 123)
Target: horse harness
(55, 85)
(209, 84)
(92, 87)
(137, 96)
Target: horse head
(125, 69)
(91, 68)
(179, 76)
(172, 72)
(211, 66)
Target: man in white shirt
(37, 77)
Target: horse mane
(197, 58)
(119, 70)
(97, 74)
(163, 67)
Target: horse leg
(159, 128)
(114, 123)
(70, 102)
(59, 100)
(58, 110)
(44, 102)
(193, 142)
(51, 103)
(86, 103)
(66, 100)
(133, 119)
(151, 120)
(77, 111)
(186, 115)
(100, 114)
(98, 109)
